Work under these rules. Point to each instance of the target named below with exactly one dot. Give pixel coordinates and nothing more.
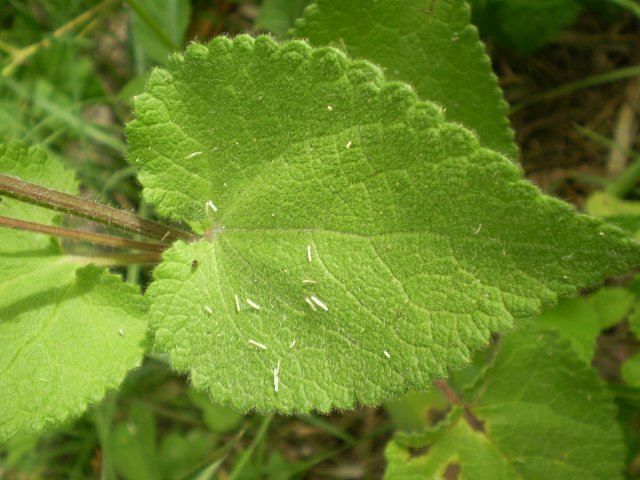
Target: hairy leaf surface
(67, 333)
(431, 45)
(544, 413)
(416, 242)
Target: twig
(573, 87)
(20, 56)
(97, 238)
(474, 422)
(73, 205)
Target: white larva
(306, 281)
(349, 143)
(208, 309)
(253, 304)
(311, 304)
(192, 155)
(258, 344)
(276, 377)
(309, 253)
(237, 299)
(320, 303)
(387, 354)
(210, 205)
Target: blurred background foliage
(67, 73)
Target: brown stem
(73, 205)
(473, 421)
(80, 235)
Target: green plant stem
(475, 423)
(97, 238)
(20, 56)
(78, 206)
(624, 183)
(246, 455)
(572, 87)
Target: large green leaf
(67, 333)
(544, 414)
(419, 242)
(430, 44)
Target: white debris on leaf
(210, 205)
(309, 253)
(192, 155)
(237, 299)
(320, 303)
(253, 304)
(276, 377)
(258, 344)
(208, 309)
(311, 304)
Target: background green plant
(55, 98)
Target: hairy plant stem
(78, 206)
(474, 422)
(90, 237)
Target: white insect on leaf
(309, 253)
(253, 304)
(208, 309)
(276, 377)
(311, 304)
(121, 332)
(330, 108)
(192, 155)
(237, 299)
(258, 344)
(349, 143)
(292, 344)
(307, 281)
(320, 303)
(210, 205)
(387, 354)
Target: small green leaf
(631, 371)
(576, 320)
(544, 414)
(415, 242)
(217, 418)
(431, 45)
(156, 24)
(612, 304)
(67, 333)
(278, 16)
(525, 25)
